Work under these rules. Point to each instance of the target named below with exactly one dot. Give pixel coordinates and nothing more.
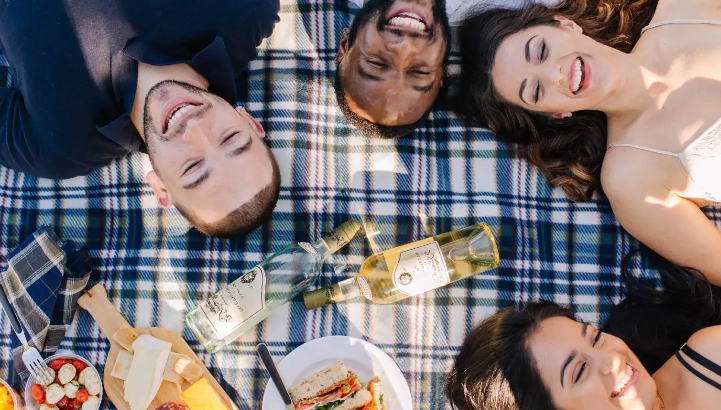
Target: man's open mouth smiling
(176, 112)
(408, 20)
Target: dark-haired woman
(594, 100)
(659, 351)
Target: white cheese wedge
(146, 371)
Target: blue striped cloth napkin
(43, 281)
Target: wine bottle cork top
(321, 297)
(343, 234)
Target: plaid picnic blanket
(446, 176)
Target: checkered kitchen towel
(43, 281)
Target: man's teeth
(408, 20)
(628, 374)
(178, 112)
(577, 74)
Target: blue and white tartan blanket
(446, 176)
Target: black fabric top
(703, 361)
(75, 69)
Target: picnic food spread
(154, 368)
(151, 368)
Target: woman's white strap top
(702, 157)
(667, 22)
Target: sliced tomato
(38, 393)
(56, 364)
(82, 395)
(79, 365)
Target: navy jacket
(75, 69)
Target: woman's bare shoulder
(626, 170)
(706, 342)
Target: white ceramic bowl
(17, 400)
(31, 404)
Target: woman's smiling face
(586, 369)
(554, 69)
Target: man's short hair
(371, 128)
(247, 217)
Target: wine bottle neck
(341, 235)
(335, 293)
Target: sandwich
(376, 392)
(333, 388)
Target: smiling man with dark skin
(98, 79)
(390, 63)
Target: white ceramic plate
(362, 358)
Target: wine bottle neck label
(341, 235)
(418, 267)
(236, 303)
(308, 248)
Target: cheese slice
(125, 336)
(202, 396)
(170, 373)
(146, 371)
(190, 371)
(122, 364)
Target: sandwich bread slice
(328, 389)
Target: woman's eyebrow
(520, 91)
(528, 48)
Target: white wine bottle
(251, 298)
(409, 270)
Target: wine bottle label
(236, 303)
(418, 269)
(308, 248)
(342, 235)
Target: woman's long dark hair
(496, 371)
(655, 323)
(568, 151)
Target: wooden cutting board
(96, 302)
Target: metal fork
(31, 357)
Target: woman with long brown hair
(658, 350)
(624, 95)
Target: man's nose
(404, 50)
(195, 133)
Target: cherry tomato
(79, 365)
(38, 393)
(56, 364)
(82, 395)
(75, 405)
(64, 402)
